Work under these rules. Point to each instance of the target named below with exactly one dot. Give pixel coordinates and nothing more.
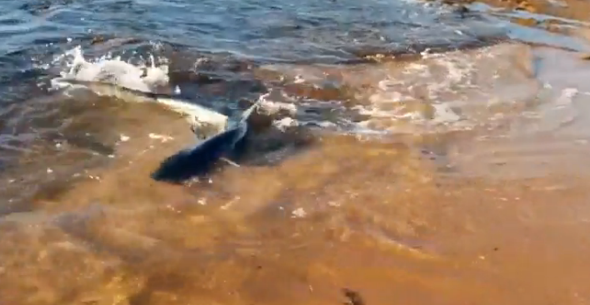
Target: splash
(106, 69)
(114, 77)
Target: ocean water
(392, 139)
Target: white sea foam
(106, 74)
(450, 91)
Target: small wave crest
(458, 90)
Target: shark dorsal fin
(246, 114)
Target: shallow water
(410, 152)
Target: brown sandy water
(489, 209)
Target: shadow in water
(229, 146)
(202, 158)
(252, 143)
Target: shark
(200, 159)
(219, 137)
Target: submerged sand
(384, 223)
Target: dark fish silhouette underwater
(201, 158)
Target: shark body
(227, 134)
(201, 158)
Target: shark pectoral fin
(230, 162)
